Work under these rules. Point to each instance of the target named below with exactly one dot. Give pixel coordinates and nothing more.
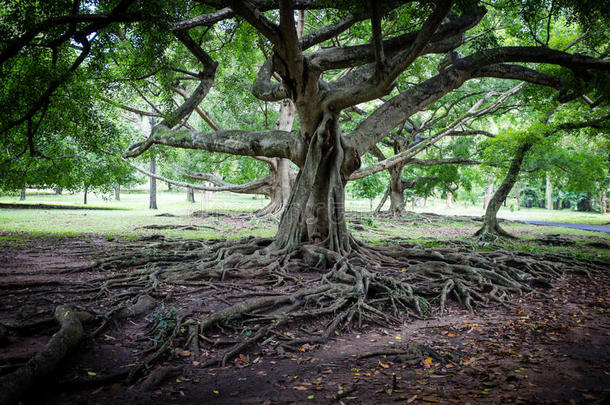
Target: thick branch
(263, 88)
(257, 20)
(235, 142)
(203, 20)
(207, 80)
(390, 114)
(474, 112)
(327, 32)
(337, 58)
(200, 111)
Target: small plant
(163, 322)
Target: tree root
(281, 288)
(15, 385)
(492, 232)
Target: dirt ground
(546, 350)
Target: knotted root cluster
(204, 295)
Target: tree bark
(85, 195)
(488, 193)
(58, 190)
(153, 186)
(490, 221)
(397, 193)
(549, 192)
(117, 192)
(586, 204)
(190, 195)
(383, 200)
(449, 199)
(280, 167)
(603, 201)
(316, 209)
(22, 195)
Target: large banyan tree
(313, 231)
(324, 271)
(324, 154)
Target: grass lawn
(127, 217)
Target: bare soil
(545, 350)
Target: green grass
(127, 217)
(533, 214)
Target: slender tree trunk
(518, 195)
(58, 190)
(22, 195)
(603, 201)
(490, 220)
(283, 177)
(190, 195)
(397, 192)
(169, 186)
(488, 193)
(153, 186)
(117, 192)
(85, 195)
(383, 200)
(549, 192)
(207, 195)
(449, 203)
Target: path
(584, 227)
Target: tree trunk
(603, 201)
(449, 199)
(397, 192)
(586, 204)
(518, 195)
(488, 193)
(549, 193)
(85, 195)
(117, 192)
(383, 200)
(22, 195)
(280, 168)
(169, 186)
(190, 195)
(58, 190)
(153, 186)
(207, 195)
(490, 221)
(316, 209)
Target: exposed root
(278, 289)
(15, 385)
(492, 232)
